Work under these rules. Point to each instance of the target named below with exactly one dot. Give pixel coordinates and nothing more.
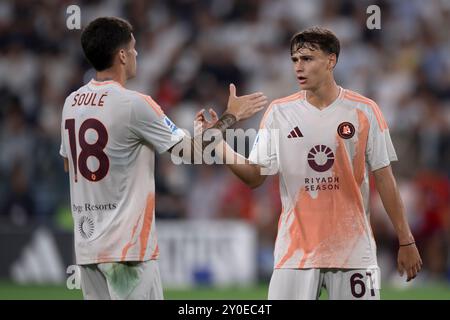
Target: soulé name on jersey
(89, 99)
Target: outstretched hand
(244, 107)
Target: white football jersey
(323, 158)
(109, 135)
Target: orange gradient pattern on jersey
(155, 253)
(131, 242)
(359, 160)
(328, 227)
(147, 224)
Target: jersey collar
(103, 83)
(327, 109)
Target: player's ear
(331, 61)
(122, 56)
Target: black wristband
(408, 244)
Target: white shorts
(121, 281)
(341, 284)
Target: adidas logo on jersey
(296, 133)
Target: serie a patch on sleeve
(170, 124)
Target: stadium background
(189, 51)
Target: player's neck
(324, 95)
(108, 74)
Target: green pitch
(28, 292)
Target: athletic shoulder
(70, 97)
(141, 100)
(355, 96)
(367, 105)
(142, 106)
(300, 95)
(277, 103)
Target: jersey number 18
(95, 150)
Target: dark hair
(102, 38)
(316, 38)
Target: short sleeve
(264, 151)
(380, 150)
(149, 123)
(63, 148)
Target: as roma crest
(346, 130)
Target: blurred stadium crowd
(188, 53)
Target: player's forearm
(248, 172)
(392, 202)
(196, 145)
